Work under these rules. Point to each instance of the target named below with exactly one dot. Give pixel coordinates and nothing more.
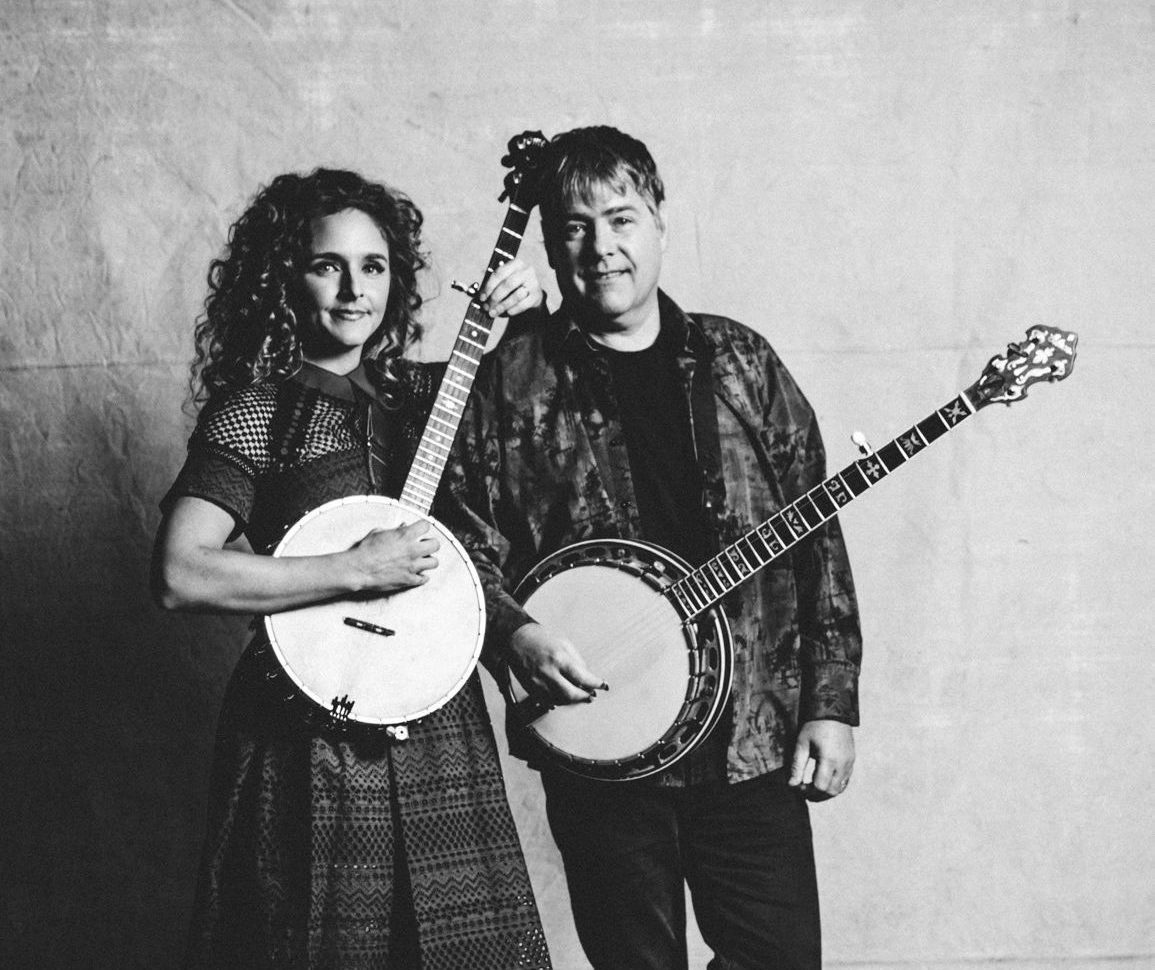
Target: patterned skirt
(339, 850)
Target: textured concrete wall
(889, 190)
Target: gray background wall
(890, 191)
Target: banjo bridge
(381, 631)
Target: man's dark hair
(579, 161)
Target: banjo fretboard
(445, 415)
(731, 567)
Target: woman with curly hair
(330, 847)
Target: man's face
(607, 254)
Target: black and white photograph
(462, 491)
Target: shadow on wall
(108, 704)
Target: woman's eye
(376, 268)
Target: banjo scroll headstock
(1048, 354)
(524, 156)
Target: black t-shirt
(655, 419)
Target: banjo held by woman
(648, 623)
(386, 660)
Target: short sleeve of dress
(227, 453)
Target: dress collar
(343, 386)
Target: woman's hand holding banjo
(393, 559)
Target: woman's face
(346, 283)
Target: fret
(448, 400)
(794, 522)
(763, 548)
(769, 538)
(911, 442)
(422, 478)
(854, 479)
(435, 453)
(685, 607)
(477, 336)
(469, 351)
(437, 439)
(459, 386)
(932, 427)
(427, 479)
(428, 441)
(751, 558)
(716, 581)
(822, 501)
(435, 460)
(716, 573)
(473, 343)
(837, 489)
(809, 513)
(502, 252)
(695, 595)
(891, 455)
(738, 562)
(451, 425)
(446, 406)
(421, 490)
(462, 375)
(871, 469)
(693, 589)
(725, 568)
(475, 314)
(514, 228)
(782, 530)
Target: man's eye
(573, 230)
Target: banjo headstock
(524, 156)
(1048, 354)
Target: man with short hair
(625, 417)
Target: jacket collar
(682, 331)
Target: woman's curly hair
(249, 330)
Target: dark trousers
(744, 850)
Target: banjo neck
(1047, 355)
(461, 370)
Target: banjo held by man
(647, 621)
